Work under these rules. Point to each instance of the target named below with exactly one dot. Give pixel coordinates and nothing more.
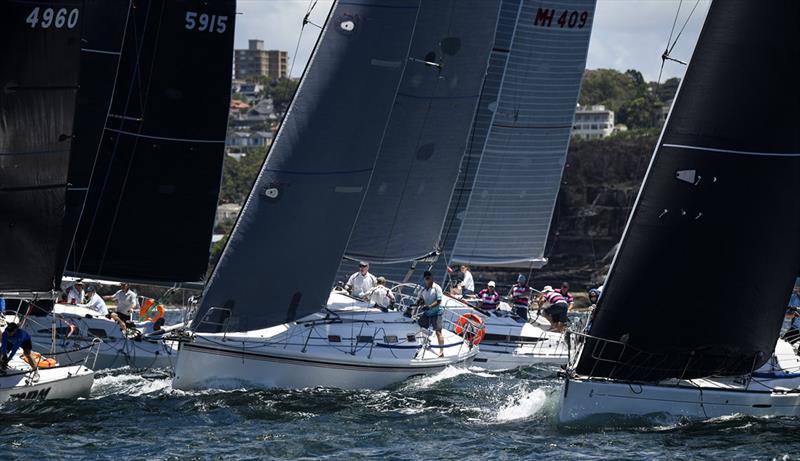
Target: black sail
(38, 87)
(699, 284)
(406, 203)
(150, 206)
(102, 32)
(282, 255)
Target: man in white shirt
(95, 302)
(430, 298)
(126, 301)
(468, 284)
(380, 295)
(75, 294)
(362, 281)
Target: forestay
(38, 87)
(102, 32)
(152, 198)
(282, 255)
(700, 283)
(513, 196)
(406, 202)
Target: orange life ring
(472, 328)
(41, 362)
(148, 308)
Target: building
(592, 122)
(256, 61)
(227, 212)
(247, 139)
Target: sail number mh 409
(53, 18)
(203, 22)
(548, 17)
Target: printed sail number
(55, 18)
(203, 22)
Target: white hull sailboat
(52, 383)
(773, 390)
(350, 346)
(70, 333)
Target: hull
(583, 399)
(359, 348)
(500, 357)
(53, 383)
(77, 328)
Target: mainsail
(699, 284)
(406, 202)
(102, 32)
(38, 87)
(151, 202)
(282, 255)
(507, 217)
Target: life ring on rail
(41, 362)
(471, 327)
(150, 311)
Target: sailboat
(39, 81)
(387, 80)
(717, 209)
(145, 166)
(502, 199)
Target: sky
(627, 34)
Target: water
(456, 414)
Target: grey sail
(406, 202)
(511, 203)
(282, 255)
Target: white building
(227, 212)
(593, 122)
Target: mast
(38, 87)
(710, 253)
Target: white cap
(491, 284)
(547, 289)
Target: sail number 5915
(203, 22)
(51, 17)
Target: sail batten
(717, 214)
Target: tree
(280, 91)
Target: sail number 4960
(51, 17)
(203, 22)
(570, 19)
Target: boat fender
(473, 333)
(41, 362)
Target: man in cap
(430, 298)
(95, 302)
(489, 297)
(380, 295)
(126, 302)
(75, 294)
(520, 296)
(12, 339)
(362, 281)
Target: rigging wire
(311, 5)
(666, 55)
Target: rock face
(599, 186)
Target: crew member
(556, 312)
(489, 297)
(594, 296)
(75, 294)
(95, 302)
(468, 284)
(12, 339)
(430, 298)
(520, 296)
(361, 281)
(564, 291)
(380, 295)
(126, 302)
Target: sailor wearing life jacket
(520, 296)
(489, 297)
(556, 312)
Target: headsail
(282, 255)
(711, 250)
(38, 87)
(406, 202)
(508, 215)
(152, 199)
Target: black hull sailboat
(718, 211)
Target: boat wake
(428, 381)
(522, 406)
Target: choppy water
(456, 414)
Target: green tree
(280, 91)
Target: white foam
(449, 372)
(519, 407)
